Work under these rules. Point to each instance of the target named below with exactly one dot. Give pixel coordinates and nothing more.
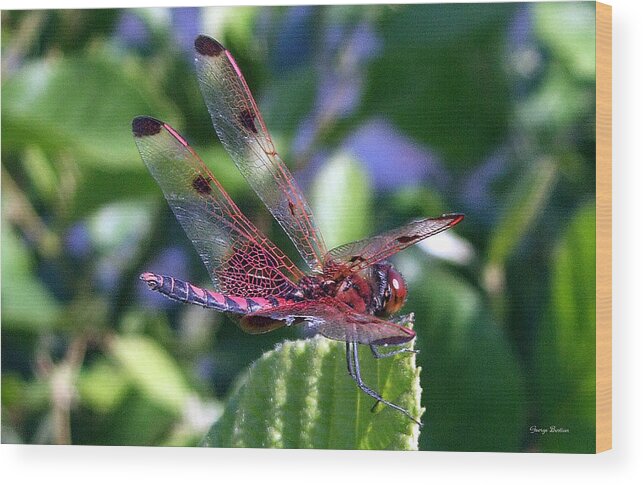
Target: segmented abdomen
(185, 292)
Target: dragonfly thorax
(312, 287)
(378, 290)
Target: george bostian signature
(551, 429)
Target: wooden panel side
(603, 227)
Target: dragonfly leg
(379, 355)
(352, 361)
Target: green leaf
(288, 99)
(574, 292)
(26, 303)
(152, 371)
(439, 78)
(569, 29)
(473, 382)
(556, 104)
(341, 201)
(115, 224)
(138, 421)
(521, 208)
(81, 106)
(237, 23)
(301, 396)
(40, 171)
(102, 386)
(566, 370)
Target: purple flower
(132, 31)
(186, 26)
(392, 159)
(78, 241)
(477, 188)
(295, 43)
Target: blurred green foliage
(499, 99)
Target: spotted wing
(243, 133)
(241, 260)
(333, 319)
(358, 255)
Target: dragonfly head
(391, 289)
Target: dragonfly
(350, 293)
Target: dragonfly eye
(395, 293)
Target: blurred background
(384, 114)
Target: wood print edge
(603, 227)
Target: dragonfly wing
(358, 255)
(335, 320)
(240, 259)
(243, 133)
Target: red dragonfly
(349, 291)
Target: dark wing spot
(145, 126)
(207, 46)
(407, 239)
(291, 207)
(201, 185)
(247, 120)
(356, 259)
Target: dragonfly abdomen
(185, 292)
